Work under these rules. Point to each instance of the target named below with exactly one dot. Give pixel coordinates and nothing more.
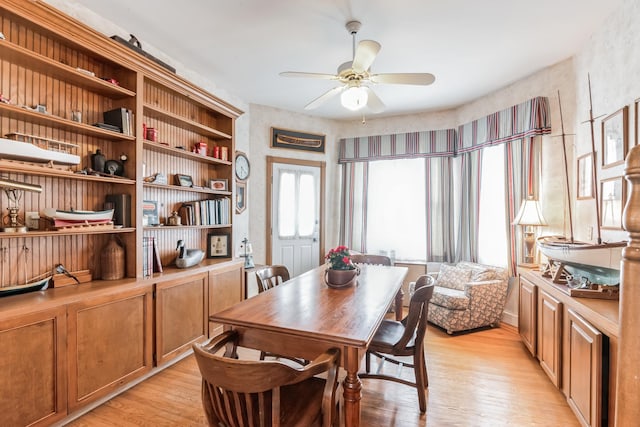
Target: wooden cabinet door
(225, 289)
(181, 316)
(550, 336)
(584, 391)
(33, 369)
(527, 325)
(109, 340)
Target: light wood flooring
(484, 378)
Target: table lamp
(13, 190)
(529, 216)
(247, 251)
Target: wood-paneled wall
(47, 59)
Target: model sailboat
(600, 257)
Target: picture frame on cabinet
(150, 214)
(615, 138)
(218, 245)
(219, 184)
(241, 196)
(585, 177)
(612, 202)
(183, 180)
(285, 138)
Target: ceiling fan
(356, 77)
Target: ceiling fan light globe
(354, 98)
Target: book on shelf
(121, 118)
(147, 256)
(157, 263)
(206, 212)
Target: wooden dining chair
(381, 260)
(370, 259)
(265, 393)
(271, 276)
(405, 338)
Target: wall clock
(242, 166)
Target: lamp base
(529, 265)
(248, 261)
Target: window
(400, 219)
(297, 190)
(396, 209)
(492, 233)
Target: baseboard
(510, 318)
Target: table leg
(398, 305)
(352, 388)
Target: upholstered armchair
(468, 296)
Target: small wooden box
(60, 280)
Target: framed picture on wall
(585, 176)
(241, 196)
(285, 138)
(615, 138)
(612, 202)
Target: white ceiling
(473, 47)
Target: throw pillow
(453, 277)
(482, 275)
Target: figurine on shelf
(188, 257)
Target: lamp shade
(529, 213)
(354, 98)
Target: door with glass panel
(295, 210)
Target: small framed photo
(219, 184)
(218, 245)
(241, 196)
(585, 176)
(183, 180)
(612, 202)
(615, 138)
(150, 215)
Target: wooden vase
(112, 260)
(340, 278)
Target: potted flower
(341, 271)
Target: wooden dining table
(303, 317)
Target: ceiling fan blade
(404, 78)
(324, 98)
(374, 103)
(309, 75)
(366, 52)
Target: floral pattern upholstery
(474, 303)
(453, 277)
(452, 299)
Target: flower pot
(340, 278)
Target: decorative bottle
(97, 161)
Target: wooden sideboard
(576, 342)
(65, 350)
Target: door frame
(297, 162)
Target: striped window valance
(434, 143)
(528, 119)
